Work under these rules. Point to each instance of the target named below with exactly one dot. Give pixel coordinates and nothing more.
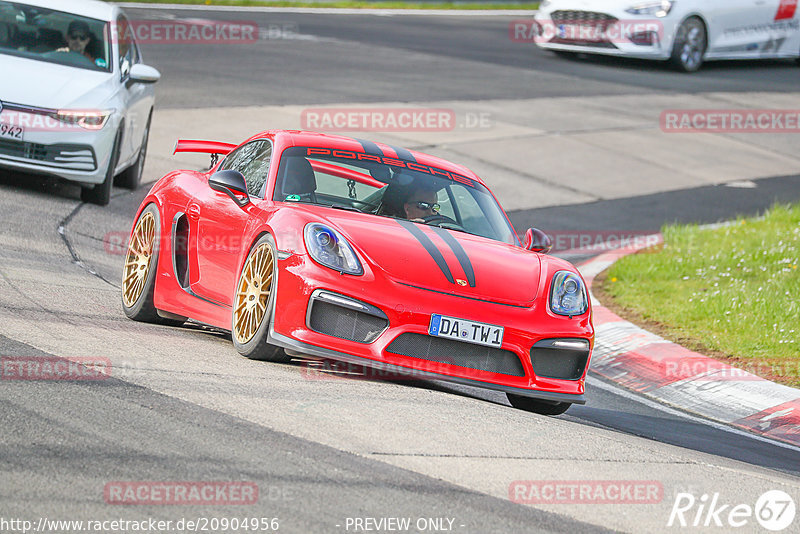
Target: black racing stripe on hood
(459, 251)
(403, 153)
(370, 148)
(426, 242)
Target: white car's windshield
(54, 36)
(390, 187)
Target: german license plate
(11, 131)
(463, 330)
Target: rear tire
(139, 270)
(691, 41)
(100, 194)
(254, 304)
(541, 407)
(131, 177)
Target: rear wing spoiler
(215, 148)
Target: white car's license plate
(464, 330)
(11, 131)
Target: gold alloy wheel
(137, 262)
(252, 294)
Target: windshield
(53, 36)
(390, 187)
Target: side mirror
(537, 241)
(230, 182)
(143, 74)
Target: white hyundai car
(75, 98)
(685, 32)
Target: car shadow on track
(693, 435)
(633, 419)
(751, 66)
(39, 185)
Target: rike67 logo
(774, 510)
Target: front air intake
(563, 359)
(339, 316)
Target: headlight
(87, 119)
(329, 248)
(659, 8)
(568, 294)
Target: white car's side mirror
(144, 74)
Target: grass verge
(352, 4)
(732, 292)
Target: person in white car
(80, 40)
(75, 101)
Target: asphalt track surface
(413, 58)
(189, 409)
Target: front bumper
(407, 311)
(609, 33)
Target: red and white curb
(654, 367)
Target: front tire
(100, 194)
(690, 45)
(139, 271)
(254, 304)
(541, 407)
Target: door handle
(193, 212)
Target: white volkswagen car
(685, 32)
(75, 98)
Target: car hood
(444, 260)
(48, 85)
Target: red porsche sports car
(361, 252)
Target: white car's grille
(582, 17)
(62, 156)
(599, 22)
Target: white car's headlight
(658, 8)
(329, 248)
(87, 119)
(568, 294)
